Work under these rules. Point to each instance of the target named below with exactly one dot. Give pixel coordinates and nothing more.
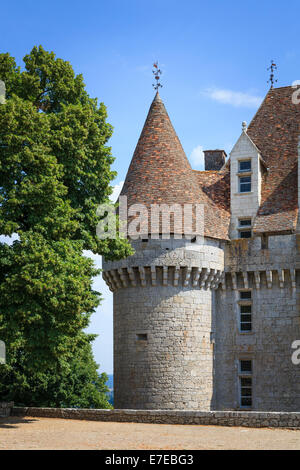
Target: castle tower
(164, 293)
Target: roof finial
(157, 73)
(272, 68)
(244, 126)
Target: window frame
(247, 387)
(245, 183)
(246, 229)
(264, 241)
(244, 234)
(246, 303)
(247, 170)
(248, 376)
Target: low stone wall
(255, 419)
(5, 408)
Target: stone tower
(213, 321)
(164, 294)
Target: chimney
(214, 159)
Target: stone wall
(172, 368)
(174, 294)
(273, 277)
(163, 349)
(5, 409)
(212, 418)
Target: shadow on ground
(13, 422)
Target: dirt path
(50, 433)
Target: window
(245, 383)
(245, 307)
(246, 366)
(245, 222)
(141, 337)
(245, 294)
(245, 228)
(245, 184)
(264, 242)
(246, 391)
(244, 166)
(245, 234)
(246, 320)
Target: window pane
(245, 184)
(246, 327)
(246, 381)
(245, 295)
(245, 234)
(245, 179)
(245, 165)
(245, 223)
(245, 188)
(246, 401)
(246, 318)
(246, 308)
(246, 366)
(246, 392)
(141, 337)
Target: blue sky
(214, 57)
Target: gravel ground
(51, 433)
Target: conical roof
(159, 171)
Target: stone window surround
(244, 194)
(142, 333)
(141, 337)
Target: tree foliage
(55, 164)
(55, 169)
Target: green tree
(55, 164)
(55, 169)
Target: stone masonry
(157, 294)
(208, 323)
(210, 418)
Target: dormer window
(244, 166)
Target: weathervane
(157, 73)
(272, 68)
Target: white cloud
(197, 157)
(116, 191)
(234, 98)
